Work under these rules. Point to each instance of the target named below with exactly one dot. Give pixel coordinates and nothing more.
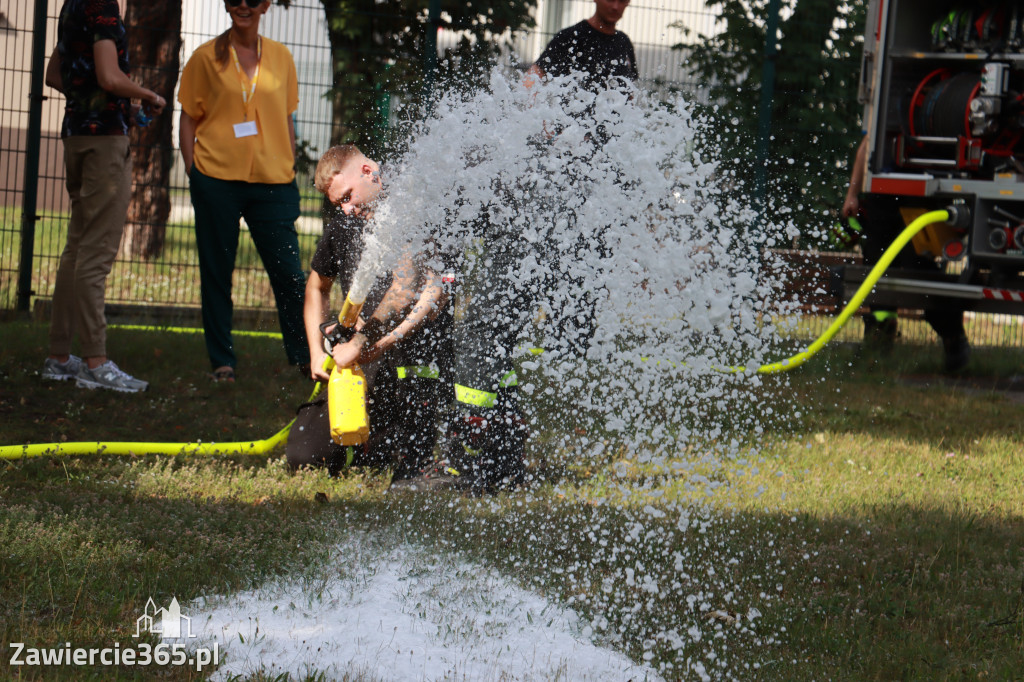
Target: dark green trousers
(270, 212)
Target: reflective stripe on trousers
(418, 371)
(478, 398)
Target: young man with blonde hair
(404, 346)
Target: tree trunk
(154, 32)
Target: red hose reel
(950, 123)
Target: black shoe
(406, 469)
(958, 352)
(438, 476)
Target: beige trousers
(99, 178)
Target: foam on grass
(401, 614)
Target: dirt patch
(1011, 387)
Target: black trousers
(882, 224)
(484, 431)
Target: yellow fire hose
(194, 330)
(259, 447)
(858, 298)
(255, 447)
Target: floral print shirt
(89, 109)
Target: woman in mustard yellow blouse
(238, 93)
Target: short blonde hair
(333, 162)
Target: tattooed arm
(396, 305)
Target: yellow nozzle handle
(349, 313)
(328, 364)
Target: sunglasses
(251, 3)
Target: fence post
(430, 50)
(32, 144)
(764, 114)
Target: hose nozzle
(349, 313)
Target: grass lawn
(879, 535)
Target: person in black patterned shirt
(90, 66)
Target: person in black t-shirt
(592, 47)
(407, 370)
(599, 57)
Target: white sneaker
(109, 375)
(61, 371)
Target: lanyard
(248, 95)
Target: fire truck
(943, 91)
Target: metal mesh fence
(170, 279)
(169, 282)
(16, 29)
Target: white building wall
(16, 58)
(303, 28)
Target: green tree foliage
(815, 115)
(378, 49)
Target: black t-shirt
(340, 248)
(337, 257)
(583, 48)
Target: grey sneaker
(109, 375)
(62, 371)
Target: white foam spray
(646, 270)
(607, 210)
(404, 615)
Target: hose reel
(955, 119)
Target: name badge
(245, 129)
